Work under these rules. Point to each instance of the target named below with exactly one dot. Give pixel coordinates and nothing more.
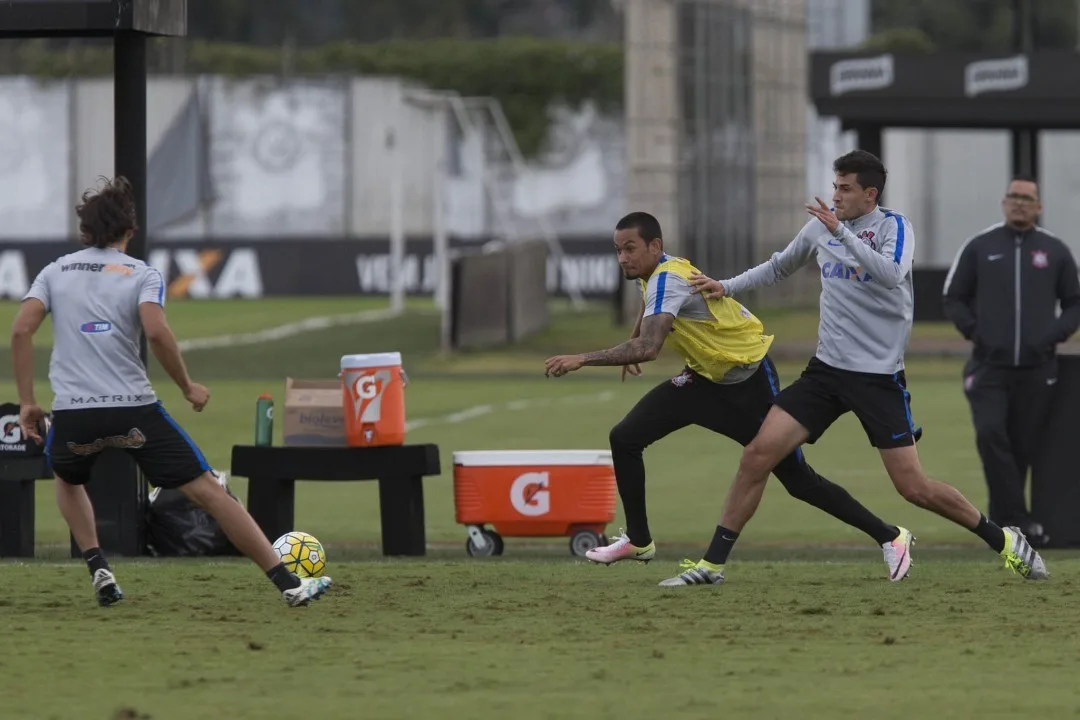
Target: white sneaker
(106, 589)
(311, 588)
(621, 549)
(898, 555)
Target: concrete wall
(652, 113)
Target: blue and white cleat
(106, 589)
(311, 588)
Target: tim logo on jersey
(839, 271)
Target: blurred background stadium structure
(297, 157)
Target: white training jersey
(93, 296)
(867, 297)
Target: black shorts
(882, 403)
(165, 453)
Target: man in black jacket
(1002, 294)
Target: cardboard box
(313, 413)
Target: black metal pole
(129, 107)
(1025, 140)
(117, 489)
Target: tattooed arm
(643, 348)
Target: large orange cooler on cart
(534, 493)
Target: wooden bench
(272, 472)
(17, 477)
(119, 504)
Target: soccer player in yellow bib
(727, 386)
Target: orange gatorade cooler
(534, 493)
(373, 399)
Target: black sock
(282, 578)
(95, 560)
(720, 547)
(630, 479)
(991, 534)
(803, 483)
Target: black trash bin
(1055, 472)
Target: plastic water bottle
(264, 420)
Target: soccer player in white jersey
(864, 254)
(101, 301)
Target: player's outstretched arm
(635, 369)
(781, 265)
(29, 318)
(643, 348)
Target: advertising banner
(307, 266)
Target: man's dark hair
(647, 226)
(1024, 178)
(107, 214)
(866, 167)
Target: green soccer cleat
(1021, 558)
(696, 573)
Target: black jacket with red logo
(1003, 290)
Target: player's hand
(706, 286)
(198, 396)
(30, 417)
(633, 369)
(562, 364)
(822, 212)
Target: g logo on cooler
(530, 494)
(10, 432)
(366, 390)
(365, 387)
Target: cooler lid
(371, 360)
(494, 458)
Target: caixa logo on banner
(996, 75)
(874, 73)
(213, 273)
(189, 273)
(14, 278)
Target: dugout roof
(948, 90)
(92, 18)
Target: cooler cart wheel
(584, 540)
(492, 543)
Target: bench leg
(17, 518)
(272, 504)
(401, 509)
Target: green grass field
(807, 624)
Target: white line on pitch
(279, 332)
(476, 411)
